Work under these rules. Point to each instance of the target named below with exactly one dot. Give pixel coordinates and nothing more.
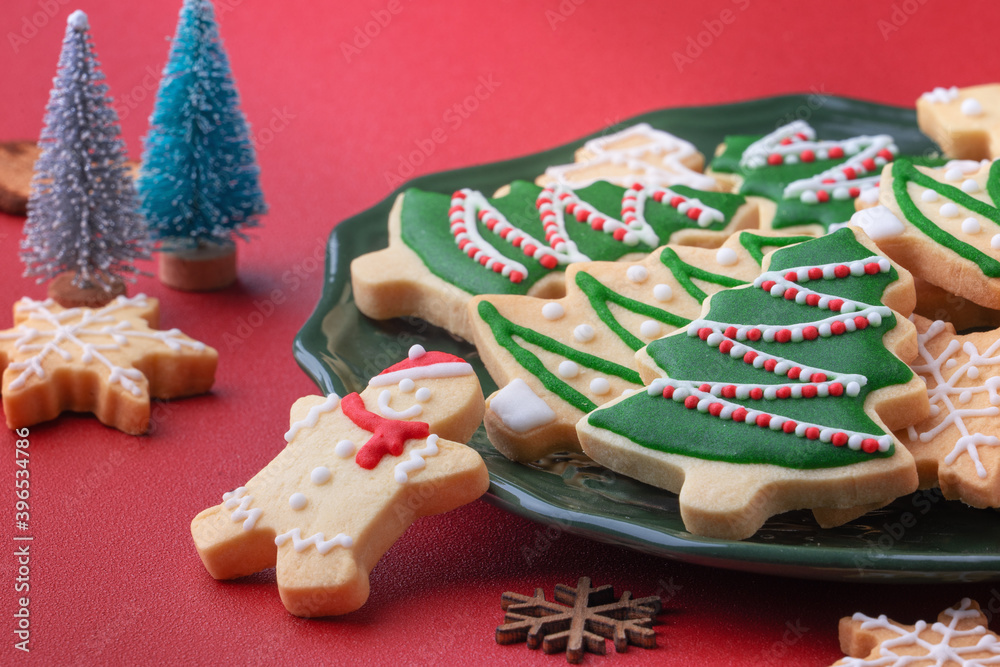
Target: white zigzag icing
(416, 460)
(236, 499)
(322, 545)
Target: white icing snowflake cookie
(959, 638)
(555, 360)
(957, 447)
(356, 473)
(965, 122)
(107, 360)
(637, 154)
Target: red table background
(114, 575)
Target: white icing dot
(650, 329)
(320, 475)
(600, 386)
(935, 411)
(406, 385)
(951, 363)
(995, 242)
(929, 196)
(662, 292)
(297, 501)
(584, 333)
(423, 394)
(344, 449)
(553, 311)
(965, 396)
(637, 274)
(969, 185)
(972, 107)
(954, 174)
(949, 210)
(973, 372)
(568, 369)
(726, 257)
(416, 352)
(970, 226)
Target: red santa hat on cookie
(422, 365)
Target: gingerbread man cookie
(780, 396)
(637, 154)
(356, 473)
(107, 360)
(957, 447)
(960, 638)
(445, 250)
(555, 360)
(965, 122)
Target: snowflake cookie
(957, 447)
(965, 122)
(959, 638)
(356, 472)
(943, 225)
(780, 396)
(556, 360)
(107, 360)
(443, 250)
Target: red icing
(426, 359)
(389, 436)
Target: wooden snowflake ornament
(356, 473)
(107, 360)
(579, 620)
(959, 638)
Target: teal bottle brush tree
(199, 182)
(84, 231)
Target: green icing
(641, 417)
(684, 273)
(504, 332)
(904, 172)
(755, 243)
(600, 295)
(426, 230)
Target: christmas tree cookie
(555, 360)
(948, 225)
(638, 154)
(957, 447)
(443, 250)
(356, 472)
(960, 638)
(810, 184)
(107, 360)
(965, 122)
(780, 396)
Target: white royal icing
(519, 408)
(383, 407)
(312, 417)
(322, 544)
(239, 502)
(416, 461)
(878, 222)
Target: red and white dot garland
(796, 143)
(804, 382)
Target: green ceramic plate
(920, 538)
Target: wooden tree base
(202, 269)
(66, 294)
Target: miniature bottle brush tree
(199, 180)
(84, 230)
